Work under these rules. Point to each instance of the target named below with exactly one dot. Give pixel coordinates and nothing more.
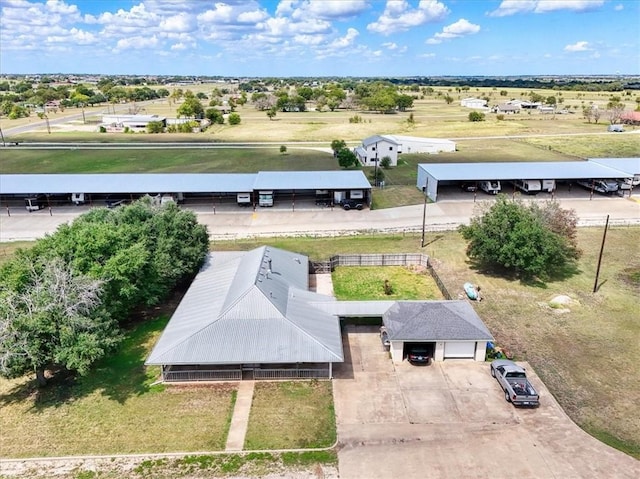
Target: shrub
(234, 119)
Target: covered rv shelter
(433, 175)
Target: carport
(452, 329)
(431, 175)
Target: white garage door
(453, 349)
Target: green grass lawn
(288, 415)
(353, 283)
(114, 409)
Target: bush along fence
(386, 259)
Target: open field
(432, 117)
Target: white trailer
(530, 187)
(491, 187)
(549, 185)
(244, 199)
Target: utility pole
(604, 236)
(375, 171)
(424, 211)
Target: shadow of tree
(119, 377)
(554, 274)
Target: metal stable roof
(180, 182)
(559, 170)
(630, 166)
(311, 180)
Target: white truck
(491, 187)
(513, 380)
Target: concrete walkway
(240, 419)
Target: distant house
(506, 108)
(378, 146)
(478, 103)
(118, 123)
(630, 117)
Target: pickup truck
(513, 380)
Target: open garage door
(458, 349)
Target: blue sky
(320, 37)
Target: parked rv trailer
(244, 199)
(491, 187)
(265, 198)
(549, 185)
(35, 203)
(530, 187)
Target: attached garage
(459, 349)
(452, 329)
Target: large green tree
(141, 251)
(51, 317)
(531, 241)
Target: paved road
(230, 222)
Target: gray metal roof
(180, 182)
(558, 170)
(126, 183)
(356, 309)
(631, 166)
(435, 321)
(311, 180)
(240, 310)
(377, 139)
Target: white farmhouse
(376, 147)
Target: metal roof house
(252, 314)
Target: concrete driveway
(450, 420)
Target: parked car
(468, 186)
(419, 355)
(350, 204)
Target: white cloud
(513, 7)
(331, 9)
(398, 16)
(136, 43)
(461, 28)
(390, 45)
(581, 46)
(347, 40)
(619, 7)
(181, 22)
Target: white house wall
(397, 351)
